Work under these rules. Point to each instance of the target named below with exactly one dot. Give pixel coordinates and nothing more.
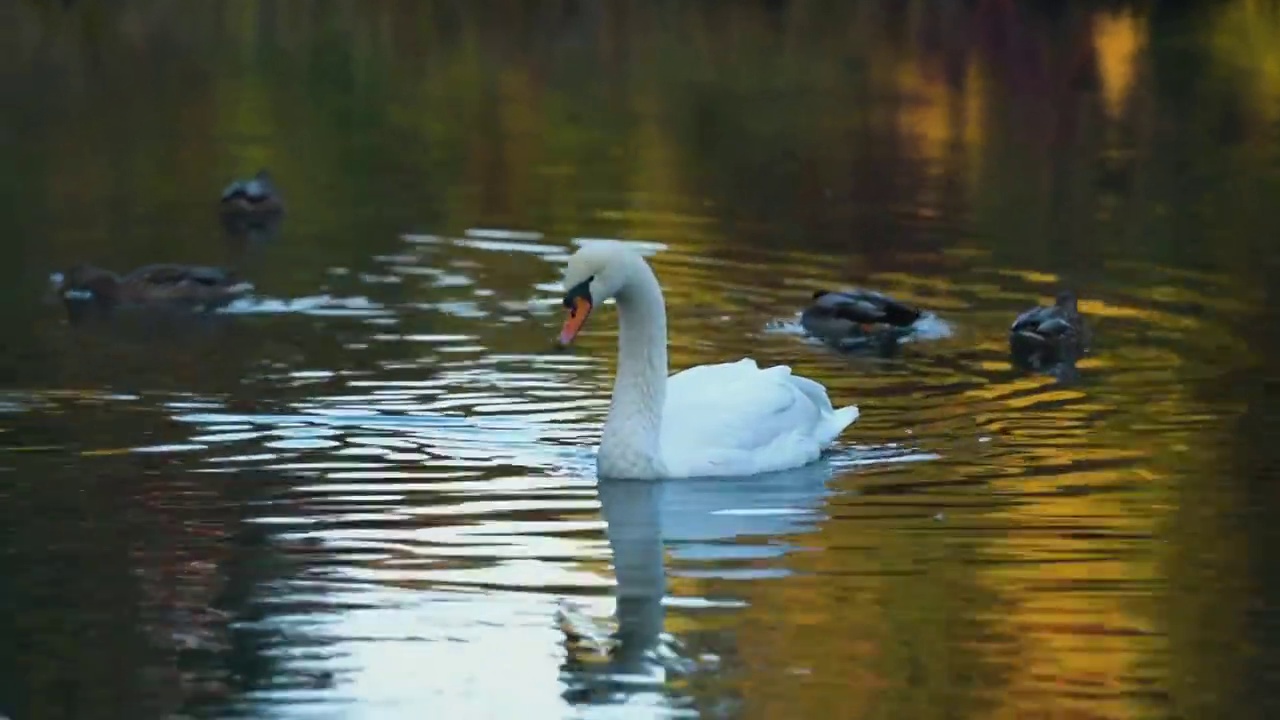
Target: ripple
(428, 493)
(318, 305)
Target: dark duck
(1044, 337)
(250, 204)
(848, 317)
(189, 287)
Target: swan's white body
(709, 420)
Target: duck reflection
(247, 239)
(250, 232)
(703, 522)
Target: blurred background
(368, 491)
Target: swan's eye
(581, 290)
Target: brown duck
(190, 286)
(1043, 337)
(251, 203)
(839, 316)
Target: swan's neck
(630, 445)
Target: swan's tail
(833, 421)
(836, 422)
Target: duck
(1043, 337)
(849, 315)
(725, 419)
(251, 203)
(190, 286)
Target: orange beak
(577, 317)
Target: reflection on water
(367, 490)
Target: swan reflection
(704, 523)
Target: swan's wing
(687, 381)
(739, 407)
(737, 419)
(811, 389)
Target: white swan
(709, 420)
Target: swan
(707, 421)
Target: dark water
(367, 492)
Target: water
(368, 492)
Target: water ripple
(432, 502)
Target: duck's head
(259, 188)
(594, 274)
(1066, 301)
(257, 193)
(86, 282)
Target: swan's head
(594, 274)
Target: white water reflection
(701, 522)
(411, 631)
(443, 542)
(318, 305)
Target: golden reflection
(937, 117)
(1245, 36)
(1033, 277)
(1211, 635)
(1118, 39)
(1071, 636)
(1090, 639)
(106, 452)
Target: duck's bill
(573, 322)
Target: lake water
(368, 491)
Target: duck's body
(1046, 336)
(252, 202)
(709, 420)
(190, 286)
(840, 316)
